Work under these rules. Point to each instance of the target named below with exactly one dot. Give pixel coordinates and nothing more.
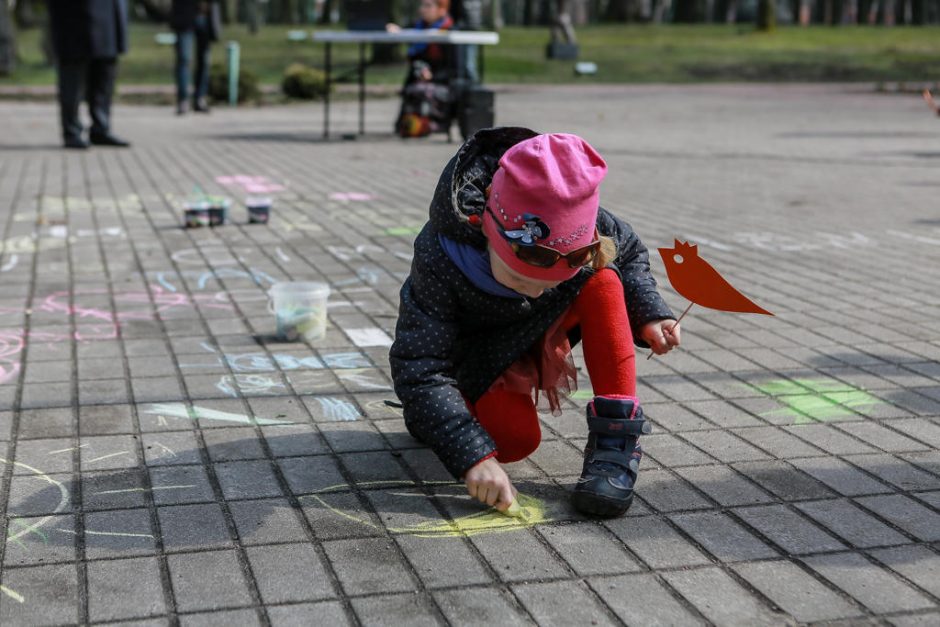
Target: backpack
(425, 109)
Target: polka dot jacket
(453, 339)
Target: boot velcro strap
(618, 426)
(619, 458)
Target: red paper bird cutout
(700, 283)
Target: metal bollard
(233, 50)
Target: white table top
(405, 35)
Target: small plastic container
(259, 209)
(196, 214)
(218, 210)
(300, 309)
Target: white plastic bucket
(300, 309)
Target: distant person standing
(432, 15)
(198, 20)
(468, 15)
(87, 37)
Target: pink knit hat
(544, 192)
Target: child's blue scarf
(475, 264)
(418, 48)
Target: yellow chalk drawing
(528, 511)
(13, 594)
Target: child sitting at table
(433, 15)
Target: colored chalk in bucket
(259, 209)
(300, 309)
(196, 214)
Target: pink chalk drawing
(11, 345)
(102, 325)
(351, 196)
(250, 184)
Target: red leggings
(511, 418)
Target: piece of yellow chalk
(515, 510)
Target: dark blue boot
(611, 457)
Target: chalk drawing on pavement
(810, 400)
(181, 410)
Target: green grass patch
(623, 54)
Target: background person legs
(71, 83)
(100, 88)
(183, 46)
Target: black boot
(611, 457)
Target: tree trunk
(888, 18)
(662, 9)
(617, 11)
(687, 11)
(767, 15)
(849, 12)
(7, 41)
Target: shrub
(218, 84)
(303, 83)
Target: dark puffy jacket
(453, 340)
(87, 29)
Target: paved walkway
(166, 460)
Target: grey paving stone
(830, 439)
(289, 573)
(918, 563)
(171, 485)
(49, 455)
(291, 440)
(298, 615)
(667, 493)
(518, 556)
(188, 527)
(108, 451)
(207, 581)
(366, 566)
(851, 523)
(344, 437)
(725, 447)
(673, 452)
(175, 447)
(783, 480)
(232, 444)
(840, 476)
(250, 479)
(119, 533)
(368, 468)
(156, 389)
(104, 419)
(907, 514)
(793, 533)
(721, 599)
(922, 429)
(32, 494)
(655, 542)
(797, 592)
(589, 549)
(916, 620)
(235, 618)
(777, 442)
(398, 609)
(868, 583)
(113, 489)
(640, 599)
(32, 584)
(46, 423)
(311, 474)
(562, 602)
(896, 471)
(126, 588)
(340, 515)
(480, 607)
(266, 521)
(721, 536)
(443, 561)
(38, 540)
(725, 485)
(881, 437)
(103, 391)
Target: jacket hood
(461, 189)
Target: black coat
(453, 340)
(183, 16)
(88, 29)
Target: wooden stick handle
(674, 326)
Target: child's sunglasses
(544, 257)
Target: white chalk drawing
(263, 362)
(214, 256)
(250, 385)
(370, 336)
(202, 277)
(363, 378)
(914, 238)
(369, 275)
(337, 409)
(10, 263)
(704, 241)
(352, 196)
(280, 253)
(180, 410)
(346, 253)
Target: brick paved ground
(166, 460)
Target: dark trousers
(184, 51)
(93, 81)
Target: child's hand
(661, 335)
(392, 28)
(488, 483)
